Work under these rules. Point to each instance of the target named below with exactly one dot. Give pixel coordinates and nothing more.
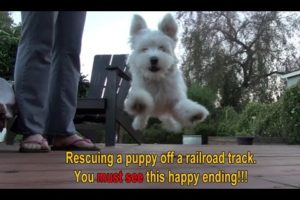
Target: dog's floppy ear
(137, 24)
(168, 26)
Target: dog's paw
(171, 125)
(138, 107)
(174, 128)
(139, 123)
(197, 117)
(189, 112)
(137, 126)
(135, 106)
(138, 102)
(199, 114)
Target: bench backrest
(99, 76)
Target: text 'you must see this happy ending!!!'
(151, 168)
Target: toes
(139, 107)
(197, 117)
(32, 146)
(138, 102)
(35, 142)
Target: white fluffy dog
(7, 103)
(157, 87)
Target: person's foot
(73, 143)
(34, 144)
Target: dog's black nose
(153, 60)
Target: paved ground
(276, 166)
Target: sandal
(44, 148)
(73, 147)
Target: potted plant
(190, 137)
(246, 130)
(198, 134)
(245, 137)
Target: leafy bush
(9, 39)
(251, 118)
(227, 121)
(126, 138)
(291, 114)
(83, 86)
(203, 95)
(206, 97)
(261, 120)
(271, 124)
(204, 129)
(156, 134)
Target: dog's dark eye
(144, 49)
(162, 48)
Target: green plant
(83, 86)
(189, 131)
(244, 133)
(291, 114)
(261, 120)
(271, 123)
(203, 95)
(204, 129)
(251, 118)
(156, 134)
(227, 118)
(9, 38)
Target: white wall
(293, 81)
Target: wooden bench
(105, 98)
(104, 102)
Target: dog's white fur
(157, 87)
(7, 98)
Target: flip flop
(29, 150)
(73, 147)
